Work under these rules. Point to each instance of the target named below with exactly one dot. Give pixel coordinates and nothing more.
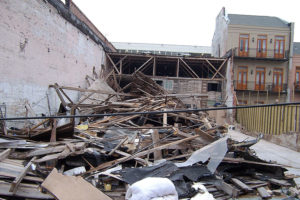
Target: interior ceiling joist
(170, 66)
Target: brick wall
(37, 48)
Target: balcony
(297, 87)
(252, 86)
(255, 54)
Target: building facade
(294, 78)
(259, 50)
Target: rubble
(122, 139)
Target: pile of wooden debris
(125, 137)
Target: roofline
(161, 44)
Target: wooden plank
(263, 193)
(193, 73)
(214, 67)
(219, 69)
(155, 139)
(71, 187)
(145, 63)
(95, 91)
(112, 62)
(140, 154)
(227, 188)
(24, 191)
(4, 154)
(280, 182)
(18, 179)
(204, 135)
(241, 185)
(165, 118)
(177, 68)
(120, 143)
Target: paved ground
(272, 153)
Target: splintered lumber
(74, 149)
(94, 91)
(279, 182)
(227, 188)
(155, 139)
(24, 191)
(121, 142)
(71, 188)
(4, 154)
(140, 154)
(204, 135)
(241, 185)
(18, 179)
(263, 193)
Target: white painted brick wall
(37, 48)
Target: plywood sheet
(71, 188)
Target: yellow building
(260, 57)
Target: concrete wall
(37, 48)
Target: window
(279, 47)
(242, 78)
(277, 79)
(260, 78)
(213, 87)
(261, 46)
(244, 45)
(297, 78)
(168, 84)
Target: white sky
(189, 22)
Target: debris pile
(128, 136)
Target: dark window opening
(216, 87)
(159, 82)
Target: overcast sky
(188, 22)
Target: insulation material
(149, 189)
(215, 152)
(203, 194)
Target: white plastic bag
(152, 188)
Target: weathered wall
(219, 40)
(230, 93)
(193, 92)
(37, 48)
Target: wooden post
(154, 67)
(53, 132)
(177, 68)
(165, 119)
(121, 66)
(155, 139)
